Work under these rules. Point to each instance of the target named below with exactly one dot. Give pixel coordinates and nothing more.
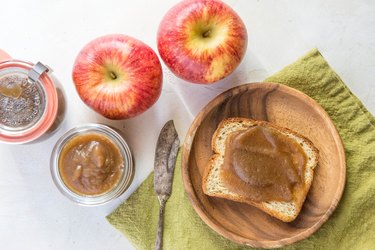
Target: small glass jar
(126, 176)
(28, 100)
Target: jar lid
(28, 101)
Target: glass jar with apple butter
(30, 103)
(92, 164)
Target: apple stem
(113, 75)
(206, 34)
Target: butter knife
(165, 159)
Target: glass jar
(125, 178)
(28, 100)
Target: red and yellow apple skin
(118, 76)
(202, 41)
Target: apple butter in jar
(92, 164)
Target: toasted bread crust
(277, 209)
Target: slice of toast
(214, 186)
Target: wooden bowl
(285, 107)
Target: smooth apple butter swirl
(90, 164)
(262, 164)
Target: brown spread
(90, 164)
(263, 164)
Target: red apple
(118, 76)
(202, 41)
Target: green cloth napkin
(352, 225)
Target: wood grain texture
(285, 107)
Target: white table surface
(33, 214)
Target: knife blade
(165, 159)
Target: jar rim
(125, 179)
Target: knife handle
(159, 236)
